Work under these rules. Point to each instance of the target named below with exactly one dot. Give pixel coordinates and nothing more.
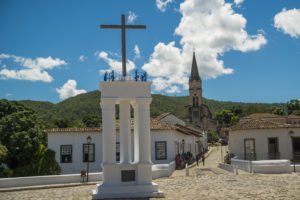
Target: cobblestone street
(206, 182)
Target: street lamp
(291, 133)
(88, 139)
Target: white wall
(236, 141)
(77, 139)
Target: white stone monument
(132, 177)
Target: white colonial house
(266, 136)
(70, 145)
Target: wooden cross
(123, 26)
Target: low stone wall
(241, 164)
(46, 180)
(264, 166)
(163, 170)
(271, 166)
(158, 171)
(226, 167)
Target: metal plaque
(127, 175)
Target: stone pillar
(108, 131)
(143, 109)
(136, 133)
(125, 132)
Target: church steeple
(194, 71)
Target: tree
(3, 153)
(212, 136)
(226, 118)
(292, 105)
(62, 122)
(21, 133)
(92, 120)
(278, 111)
(296, 112)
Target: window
(249, 149)
(118, 151)
(89, 152)
(161, 150)
(66, 153)
(273, 148)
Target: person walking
(203, 158)
(197, 159)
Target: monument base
(128, 191)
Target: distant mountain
(75, 108)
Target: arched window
(194, 100)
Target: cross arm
(135, 26)
(110, 26)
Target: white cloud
(212, 27)
(114, 64)
(82, 58)
(131, 17)
(173, 89)
(4, 56)
(69, 90)
(137, 52)
(288, 22)
(8, 94)
(4, 66)
(162, 4)
(32, 70)
(237, 2)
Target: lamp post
(88, 139)
(291, 133)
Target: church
(198, 114)
(170, 135)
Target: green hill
(75, 108)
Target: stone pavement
(208, 182)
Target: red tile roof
(262, 115)
(261, 124)
(154, 125)
(162, 116)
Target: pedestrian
(197, 159)
(203, 158)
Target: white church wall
(236, 141)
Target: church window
(66, 153)
(118, 151)
(161, 150)
(89, 152)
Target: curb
(40, 187)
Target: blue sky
(246, 51)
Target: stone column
(108, 131)
(125, 132)
(136, 133)
(143, 109)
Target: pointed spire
(194, 72)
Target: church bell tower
(194, 109)
(195, 85)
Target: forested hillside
(87, 105)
